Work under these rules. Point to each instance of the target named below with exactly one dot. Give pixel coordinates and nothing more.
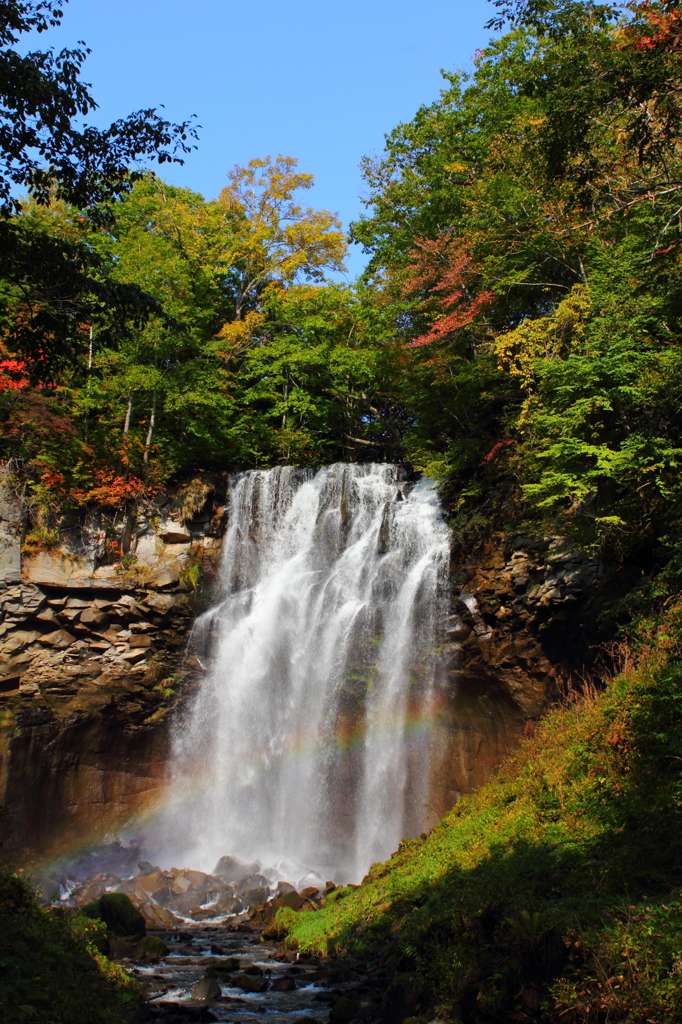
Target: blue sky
(319, 81)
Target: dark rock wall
(523, 617)
(93, 660)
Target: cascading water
(308, 743)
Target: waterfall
(307, 746)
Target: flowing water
(308, 745)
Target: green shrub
(51, 970)
(117, 913)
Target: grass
(553, 893)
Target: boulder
(20, 638)
(140, 641)
(151, 882)
(206, 989)
(230, 904)
(220, 968)
(180, 884)
(152, 947)
(231, 869)
(161, 603)
(344, 1010)
(118, 913)
(288, 899)
(283, 887)
(197, 878)
(311, 892)
(284, 984)
(251, 983)
(254, 881)
(255, 896)
(136, 655)
(48, 616)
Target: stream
(296, 988)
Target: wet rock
(255, 896)
(283, 887)
(206, 989)
(288, 899)
(152, 947)
(251, 983)
(311, 892)
(232, 869)
(284, 984)
(344, 1010)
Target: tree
(46, 150)
(262, 235)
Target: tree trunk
(126, 429)
(150, 433)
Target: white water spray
(308, 745)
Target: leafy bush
(51, 969)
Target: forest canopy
(516, 334)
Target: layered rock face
(523, 619)
(93, 659)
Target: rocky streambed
(221, 973)
(211, 948)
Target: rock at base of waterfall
(255, 896)
(206, 990)
(230, 904)
(311, 892)
(288, 899)
(231, 869)
(283, 887)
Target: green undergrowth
(51, 968)
(553, 893)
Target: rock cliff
(93, 660)
(523, 621)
